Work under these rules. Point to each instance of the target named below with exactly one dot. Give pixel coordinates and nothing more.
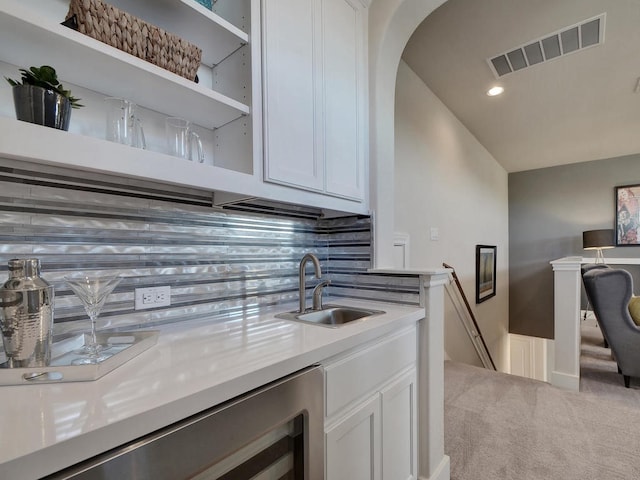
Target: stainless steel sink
(331, 315)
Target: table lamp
(598, 240)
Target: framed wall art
(627, 211)
(485, 272)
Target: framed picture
(485, 272)
(627, 210)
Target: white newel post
(565, 365)
(433, 464)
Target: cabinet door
(344, 91)
(289, 32)
(353, 445)
(399, 433)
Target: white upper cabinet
(290, 105)
(313, 109)
(315, 95)
(343, 88)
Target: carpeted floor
(499, 426)
(599, 373)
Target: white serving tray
(126, 345)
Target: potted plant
(40, 98)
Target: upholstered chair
(609, 291)
(583, 269)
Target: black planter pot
(44, 107)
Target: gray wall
(549, 209)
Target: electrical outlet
(152, 297)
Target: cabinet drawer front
(360, 373)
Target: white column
(433, 464)
(565, 365)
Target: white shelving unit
(56, 147)
(227, 101)
(28, 38)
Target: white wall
(445, 179)
(391, 24)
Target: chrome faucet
(303, 264)
(317, 295)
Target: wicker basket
(125, 32)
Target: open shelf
(57, 147)
(27, 38)
(193, 22)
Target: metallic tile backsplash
(217, 262)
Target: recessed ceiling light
(495, 91)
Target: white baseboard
(442, 471)
(566, 381)
(528, 356)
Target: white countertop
(194, 366)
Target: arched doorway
(391, 24)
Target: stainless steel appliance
(274, 432)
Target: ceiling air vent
(567, 40)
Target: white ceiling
(574, 108)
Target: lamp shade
(594, 239)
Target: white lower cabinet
(399, 428)
(353, 444)
(371, 411)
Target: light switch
(434, 234)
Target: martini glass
(93, 292)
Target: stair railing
(469, 321)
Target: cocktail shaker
(26, 315)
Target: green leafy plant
(44, 77)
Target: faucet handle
(317, 294)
